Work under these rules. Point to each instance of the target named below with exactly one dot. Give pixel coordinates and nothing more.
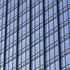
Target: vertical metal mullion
(30, 35)
(17, 35)
(44, 33)
(58, 35)
(5, 33)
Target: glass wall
(16, 16)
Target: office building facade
(34, 34)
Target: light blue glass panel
(10, 65)
(65, 15)
(51, 39)
(52, 67)
(68, 1)
(66, 29)
(52, 53)
(63, 62)
(67, 44)
(64, 3)
(50, 1)
(67, 59)
(23, 57)
(62, 47)
(37, 62)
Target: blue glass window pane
(61, 18)
(37, 62)
(1, 1)
(37, 9)
(46, 28)
(37, 34)
(10, 52)
(14, 49)
(52, 53)
(69, 13)
(23, 57)
(33, 65)
(10, 65)
(41, 6)
(62, 47)
(0, 23)
(23, 43)
(47, 56)
(23, 30)
(52, 67)
(33, 1)
(65, 15)
(60, 5)
(0, 34)
(11, 39)
(3, 32)
(37, 48)
(0, 11)
(33, 51)
(50, 12)
(56, 51)
(6, 66)
(56, 36)
(37, 21)
(3, 44)
(41, 31)
(41, 18)
(47, 42)
(46, 3)
(41, 45)
(51, 39)
(28, 40)
(55, 9)
(11, 26)
(50, 1)
(68, 1)
(64, 3)
(66, 29)
(51, 25)
(19, 59)
(24, 5)
(67, 59)
(19, 44)
(46, 15)
(12, 3)
(41, 59)
(24, 17)
(1, 57)
(67, 44)
(28, 1)
(57, 65)
(27, 54)
(23, 68)
(55, 22)
(61, 32)
(63, 62)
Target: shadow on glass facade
(34, 34)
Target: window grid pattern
(38, 10)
